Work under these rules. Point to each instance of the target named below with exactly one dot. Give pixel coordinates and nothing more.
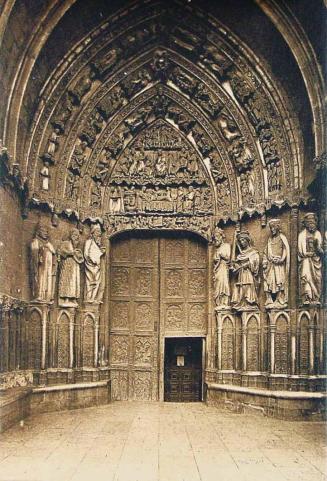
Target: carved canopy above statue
(150, 116)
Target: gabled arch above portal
(209, 88)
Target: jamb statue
(42, 265)
(93, 252)
(69, 277)
(276, 267)
(221, 261)
(310, 253)
(246, 267)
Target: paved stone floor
(161, 441)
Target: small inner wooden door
(183, 369)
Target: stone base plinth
(14, 406)
(70, 396)
(279, 404)
(18, 403)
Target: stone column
(211, 326)
(96, 344)
(294, 282)
(44, 337)
(244, 341)
(311, 349)
(219, 339)
(272, 329)
(71, 340)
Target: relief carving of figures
(208, 102)
(184, 122)
(246, 268)
(52, 145)
(72, 186)
(63, 113)
(108, 62)
(240, 155)
(228, 127)
(94, 272)
(71, 257)
(137, 120)
(135, 85)
(215, 61)
(221, 261)
(112, 102)
(276, 267)
(116, 200)
(96, 195)
(183, 82)
(275, 176)
(79, 156)
(93, 128)
(43, 267)
(82, 86)
(247, 186)
(45, 176)
(310, 254)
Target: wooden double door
(183, 369)
(158, 290)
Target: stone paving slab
(139, 441)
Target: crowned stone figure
(221, 270)
(71, 257)
(310, 260)
(246, 268)
(94, 274)
(276, 267)
(42, 257)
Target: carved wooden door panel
(158, 288)
(134, 318)
(183, 286)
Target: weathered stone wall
(12, 272)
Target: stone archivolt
(106, 94)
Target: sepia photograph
(163, 240)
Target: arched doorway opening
(158, 290)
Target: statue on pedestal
(310, 260)
(221, 261)
(43, 269)
(94, 272)
(71, 257)
(246, 268)
(276, 267)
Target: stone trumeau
(158, 182)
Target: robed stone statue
(94, 272)
(71, 257)
(276, 267)
(221, 261)
(246, 268)
(310, 260)
(42, 257)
